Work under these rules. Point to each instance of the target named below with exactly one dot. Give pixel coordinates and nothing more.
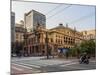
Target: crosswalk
(19, 69)
(63, 65)
(21, 66)
(29, 68)
(29, 65)
(39, 65)
(22, 69)
(42, 63)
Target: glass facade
(39, 18)
(33, 19)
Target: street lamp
(37, 36)
(25, 42)
(74, 34)
(47, 45)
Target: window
(16, 36)
(56, 40)
(56, 35)
(43, 46)
(32, 40)
(51, 40)
(85, 32)
(61, 41)
(66, 38)
(69, 38)
(68, 33)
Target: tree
(12, 47)
(75, 51)
(18, 47)
(89, 47)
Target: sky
(82, 17)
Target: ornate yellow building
(58, 37)
(89, 34)
(19, 32)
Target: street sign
(63, 50)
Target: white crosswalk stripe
(29, 65)
(17, 68)
(22, 66)
(68, 64)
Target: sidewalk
(43, 58)
(43, 61)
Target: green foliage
(18, 46)
(88, 47)
(75, 51)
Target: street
(28, 65)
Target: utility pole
(47, 45)
(25, 38)
(74, 34)
(37, 39)
(25, 42)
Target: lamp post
(74, 34)
(36, 40)
(25, 43)
(25, 50)
(47, 45)
(37, 36)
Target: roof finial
(74, 28)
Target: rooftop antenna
(74, 28)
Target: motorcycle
(84, 60)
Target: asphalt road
(70, 67)
(38, 65)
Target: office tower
(33, 19)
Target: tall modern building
(12, 27)
(32, 19)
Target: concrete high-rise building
(12, 27)
(32, 19)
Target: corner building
(58, 37)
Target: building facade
(19, 37)
(33, 18)
(58, 37)
(89, 34)
(19, 32)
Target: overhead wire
(53, 9)
(59, 12)
(82, 18)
